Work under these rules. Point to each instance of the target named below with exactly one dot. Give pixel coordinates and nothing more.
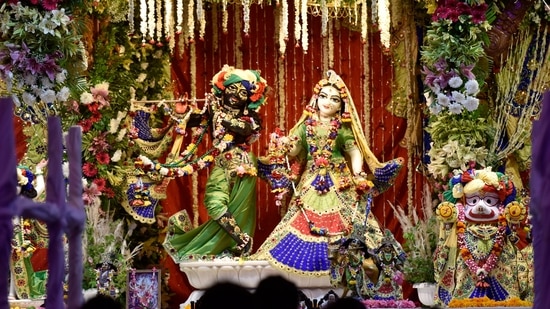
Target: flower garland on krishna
(476, 268)
(222, 141)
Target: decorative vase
(426, 293)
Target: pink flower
(89, 169)
(91, 193)
(321, 162)
(99, 144)
(100, 183)
(103, 158)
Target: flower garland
(384, 21)
(283, 27)
(487, 302)
(21, 243)
(321, 156)
(380, 303)
(222, 142)
(490, 262)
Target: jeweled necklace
(490, 262)
(321, 156)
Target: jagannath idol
(484, 247)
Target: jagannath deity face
(329, 101)
(481, 207)
(235, 96)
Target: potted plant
(420, 236)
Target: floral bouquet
(453, 46)
(39, 43)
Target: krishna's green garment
(225, 191)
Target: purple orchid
(466, 70)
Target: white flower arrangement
(456, 96)
(36, 44)
(454, 155)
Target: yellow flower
(188, 169)
(227, 138)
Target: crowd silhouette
(273, 292)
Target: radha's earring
(245, 112)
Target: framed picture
(143, 289)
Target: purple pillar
(8, 195)
(540, 204)
(55, 195)
(76, 217)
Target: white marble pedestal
(203, 274)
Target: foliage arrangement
(420, 236)
(39, 54)
(453, 59)
(119, 69)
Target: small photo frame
(143, 289)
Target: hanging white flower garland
(160, 18)
(154, 14)
(384, 22)
(151, 24)
(179, 15)
(190, 33)
(143, 20)
(297, 26)
(169, 24)
(305, 37)
(246, 16)
(201, 19)
(283, 27)
(324, 17)
(225, 16)
(131, 8)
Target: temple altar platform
(248, 273)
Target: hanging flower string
(474, 266)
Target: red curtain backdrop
(369, 83)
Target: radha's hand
(362, 183)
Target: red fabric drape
(296, 73)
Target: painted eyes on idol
(333, 99)
(237, 89)
(489, 199)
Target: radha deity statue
(484, 247)
(333, 192)
(230, 194)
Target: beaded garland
(490, 262)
